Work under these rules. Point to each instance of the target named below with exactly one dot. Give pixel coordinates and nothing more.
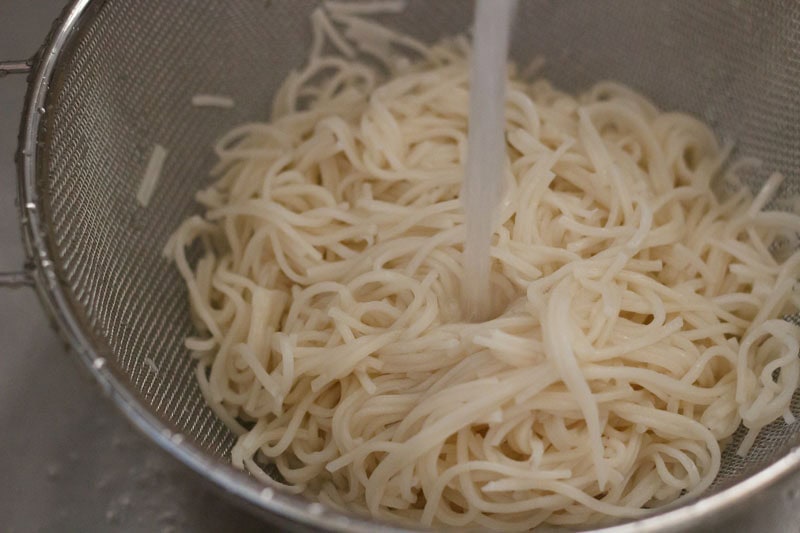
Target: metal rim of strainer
(56, 301)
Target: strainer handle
(13, 280)
(24, 277)
(14, 67)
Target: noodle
(212, 100)
(152, 174)
(641, 321)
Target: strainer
(116, 77)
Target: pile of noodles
(641, 314)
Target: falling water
(483, 181)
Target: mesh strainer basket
(116, 77)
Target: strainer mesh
(126, 81)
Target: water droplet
(177, 439)
(151, 365)
(41, 110)
(53, 470)
(30, 206)
(267, 494)
(316, 508)
(99, 363)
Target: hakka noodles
(641, 321)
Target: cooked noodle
(212, 100)
(642, 314)
(152, 175)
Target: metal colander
(116, 77)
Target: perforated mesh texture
(126, 81)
